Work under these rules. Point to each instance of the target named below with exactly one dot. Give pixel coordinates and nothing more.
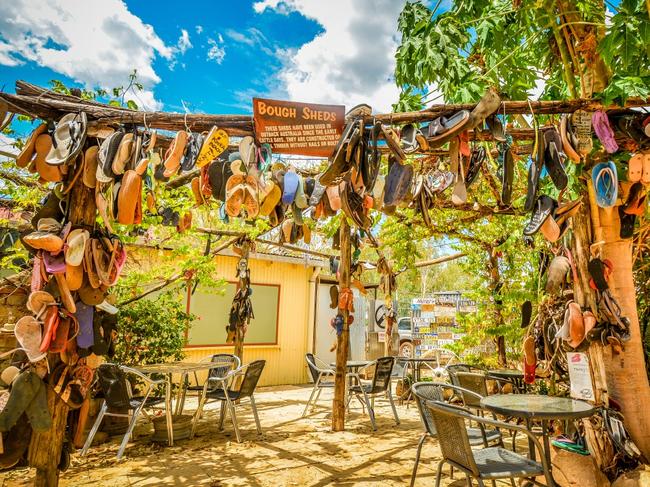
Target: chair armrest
(144, 377)
(371, 364)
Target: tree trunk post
(45, 448)
(495, 278)
(342, 340)
(627, 380)
(239, 331)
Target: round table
(534, 406)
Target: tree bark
(342, 340)
(626, 373)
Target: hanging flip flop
(605, 181)
(553, 158)
(604, 131)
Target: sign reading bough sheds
(298, 128)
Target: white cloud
(216, 51)
(278, 5)
(95, 42)
(199, 29)
(352, 61)
(183, 43)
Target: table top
(506, 373)
(180, 367)
(353, 363)
(537, 406)
(418, 359)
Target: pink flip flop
(604, 131)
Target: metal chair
(489, 463)
(379, 386)
(475, 383)
(228, 358)
(400, 371)
(435, 391)
(318, 371)
(251, 375)
(118, 397)
(452, 370)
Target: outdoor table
(168, 370)
(353, 367)
(513, 375)
(534, 406)
(415, 364)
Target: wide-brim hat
(68, 138)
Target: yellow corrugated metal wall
(285, 362)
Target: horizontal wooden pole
(36, 101)
(440, 260)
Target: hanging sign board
(580, 376)
(298, 128)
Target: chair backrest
(114, 386)
(452, 434)
(232, 361)
(383, 371)
(251, 377)
(423, 392)
(452, 370)
(475, 383)
(399, 368)
(313, 369)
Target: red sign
(298, 128)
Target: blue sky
(207, 56)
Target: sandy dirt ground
(292, 451)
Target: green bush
(152, 330)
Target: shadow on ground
(291, 451)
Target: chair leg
(233, 418)
(93, 430)
(392, 405)
(257, 419)
(320, 389)
(469, 480)
(127, 435)
(197, 413)
(371, 411)
(480, 482)
(439, 472)
(222, 414)
(347, 403)
(417, 458)
(313, 390)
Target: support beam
(342, 340)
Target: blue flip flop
(605, 179)
(290, 187)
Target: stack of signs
(434, 323)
